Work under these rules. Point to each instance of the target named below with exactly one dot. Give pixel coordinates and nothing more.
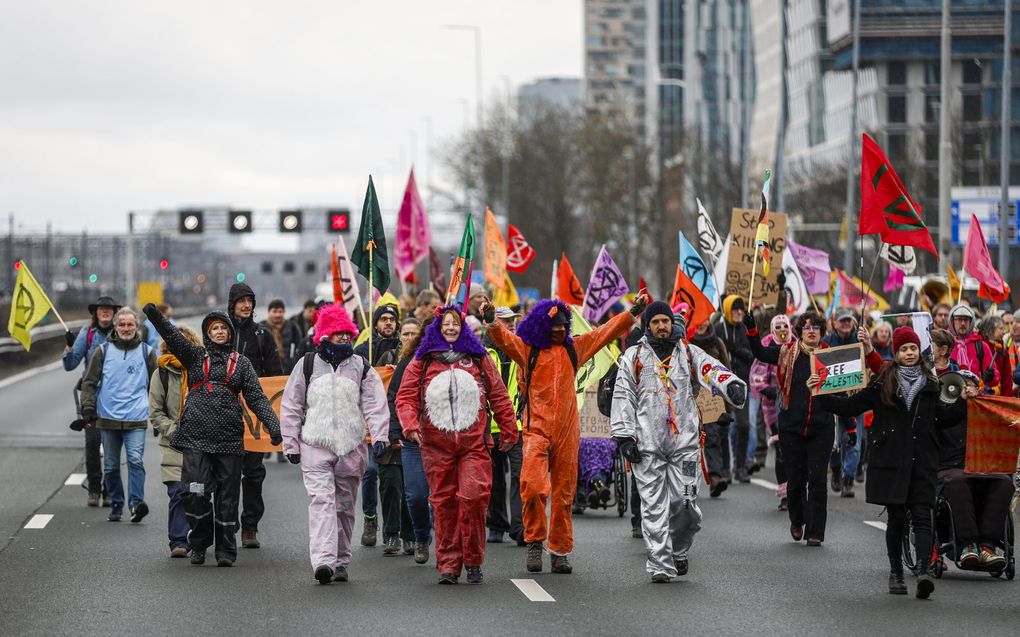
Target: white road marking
(765, 484)
(532, 590)
(29, 373)
(881, 526)
(75, 479)
(39, 521)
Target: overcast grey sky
(109, 106)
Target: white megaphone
(952, 387)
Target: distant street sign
(984, 203)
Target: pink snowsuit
(325, 423)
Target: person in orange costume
(547, 359)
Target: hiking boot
(391, 545)
(896, 583)
(925, 586)
(836, 481)
(474, 574)
(224, 561)
(93, 500)
(535, 557)
(250, 539)
(448, 578)
(408, 547)
(140, 511)
(421, 552)
(970, 558)
(740, 475)
(848, 487)
(990, 559)
(681, 565)
(495, 537)
(116, 513)
(560, 564)
(323, 574)
(719, 484)
(784, 504)
(179, 551)
(368, 537)
(107, 501)
(341, 574)
(797, 532)
(636, 533)
(660, 578)
(198, 557)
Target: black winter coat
(385, 349)
(903, 448)
(735, 338)
(251, 339)
(802, 405)
(213, 419)
(293, 344)
(396, 432)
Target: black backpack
(604, 395)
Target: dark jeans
(93, 461)
(370, 487)
(396, 518)
(717, 449)
(253, 474)
(920, 518)
(806, 460)
(980, 505)
(416, 491)
(506, 490)
(212, 484)
(176, 519)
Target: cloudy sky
(109, 106)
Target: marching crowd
(458, 426)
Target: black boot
(848, 487)
(896, 583)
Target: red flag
(334, 271)
(519, 254)
(886, 206)
(993, 434)
(995, 296)
(642, 287)
(977, 262)
(700, 308)
(436, 275)
(568, 288)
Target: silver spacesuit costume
(658, 410)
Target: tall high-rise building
(559, 92)
(614, 60)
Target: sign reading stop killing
(841, 368)
(743, 228)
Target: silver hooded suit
(646, 409)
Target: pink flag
(976, 260)
(413, 232)
(895, 280)
(813, 265)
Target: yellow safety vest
(512, 389)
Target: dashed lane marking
(75, 480)
(532, 590)
(876, 524)
(765, 484)
(39, 521)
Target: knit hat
(331, 319)
(731, 303)
(654, 309)
(384, 309)
(475, 290)
(903, 335)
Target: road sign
(984, 203)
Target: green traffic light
(73, 261)
(240, 277)
(93, 278)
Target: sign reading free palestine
(844, 368)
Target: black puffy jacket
(250, 338)
(213, 419)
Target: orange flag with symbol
(568, 288)
(700, 308)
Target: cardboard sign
(845, 368)
(256, 438)
(742, 253)
(593, 423)
(710, 406)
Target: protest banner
(841, 368)
(593, 423)
(256, 438)
(741, 255)
(710, 406)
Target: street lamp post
(477, 30)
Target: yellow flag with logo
(592, 371)
(507, 295)
(30, 304)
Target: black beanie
(655, 308)
(384, 309)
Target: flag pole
(963, 277)
(371, 286)
(871, 280)
(754, 270)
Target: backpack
(231, 368)
(532, 362)
(308, 365)
(604, 395)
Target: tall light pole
(1004, 168)
(851, 185)
(945, 146)
(477, 30)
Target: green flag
(460, 275)
(376, 269)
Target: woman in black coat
(903, 449)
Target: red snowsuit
(449, 408)
(552, 432)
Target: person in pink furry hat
(330, 399)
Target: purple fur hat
(536, 327)
(432, 340)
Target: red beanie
(903, 335)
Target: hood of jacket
(217, 316)
(237, 292)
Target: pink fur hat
(331, 319)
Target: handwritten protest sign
(593, 423)
(844, 368)
(710, 406)
(741, 255)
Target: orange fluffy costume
(551, 427)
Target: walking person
(79, 349)
(846, 455)
(168, 390)
(765, 384)
(286, 334)
(115, 400)
(444, 401)
(903, 440)
(730, 330)
(256, 344)
(210, 434)
(329, 401)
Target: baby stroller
(613, 475)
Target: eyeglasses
(811, 328)
(345, 337)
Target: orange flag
(568, 288)
(686, 291)
(495, 252)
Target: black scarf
(335, 354)
(663, 347)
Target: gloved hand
(629, 449)
(89, 415)
(294, 458)
(155, 432)
(770, 393)
(989, 375)
(149, 309)
(69, 338)
(851, 438)
(737, 393)
(378, 449)
(749, 323)
(640, 303)
(488, 312)
(276, 440)
(725, 419)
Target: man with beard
(288, 336)
(385, 341)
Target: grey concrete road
(81, 575)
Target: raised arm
(509, 343)
(766, 354)
(587, 345)
(712, 374)
(74, 357)
(185, 351)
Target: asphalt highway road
(82, 575)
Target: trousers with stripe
(211, 485)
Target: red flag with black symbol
(568, 288)
(700, 308)
(519, 254)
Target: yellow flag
(954, 282)
(507, 295)
(592, 371)
(30, 306)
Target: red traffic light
(163, 264)
(17, 264)
(339, 220)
